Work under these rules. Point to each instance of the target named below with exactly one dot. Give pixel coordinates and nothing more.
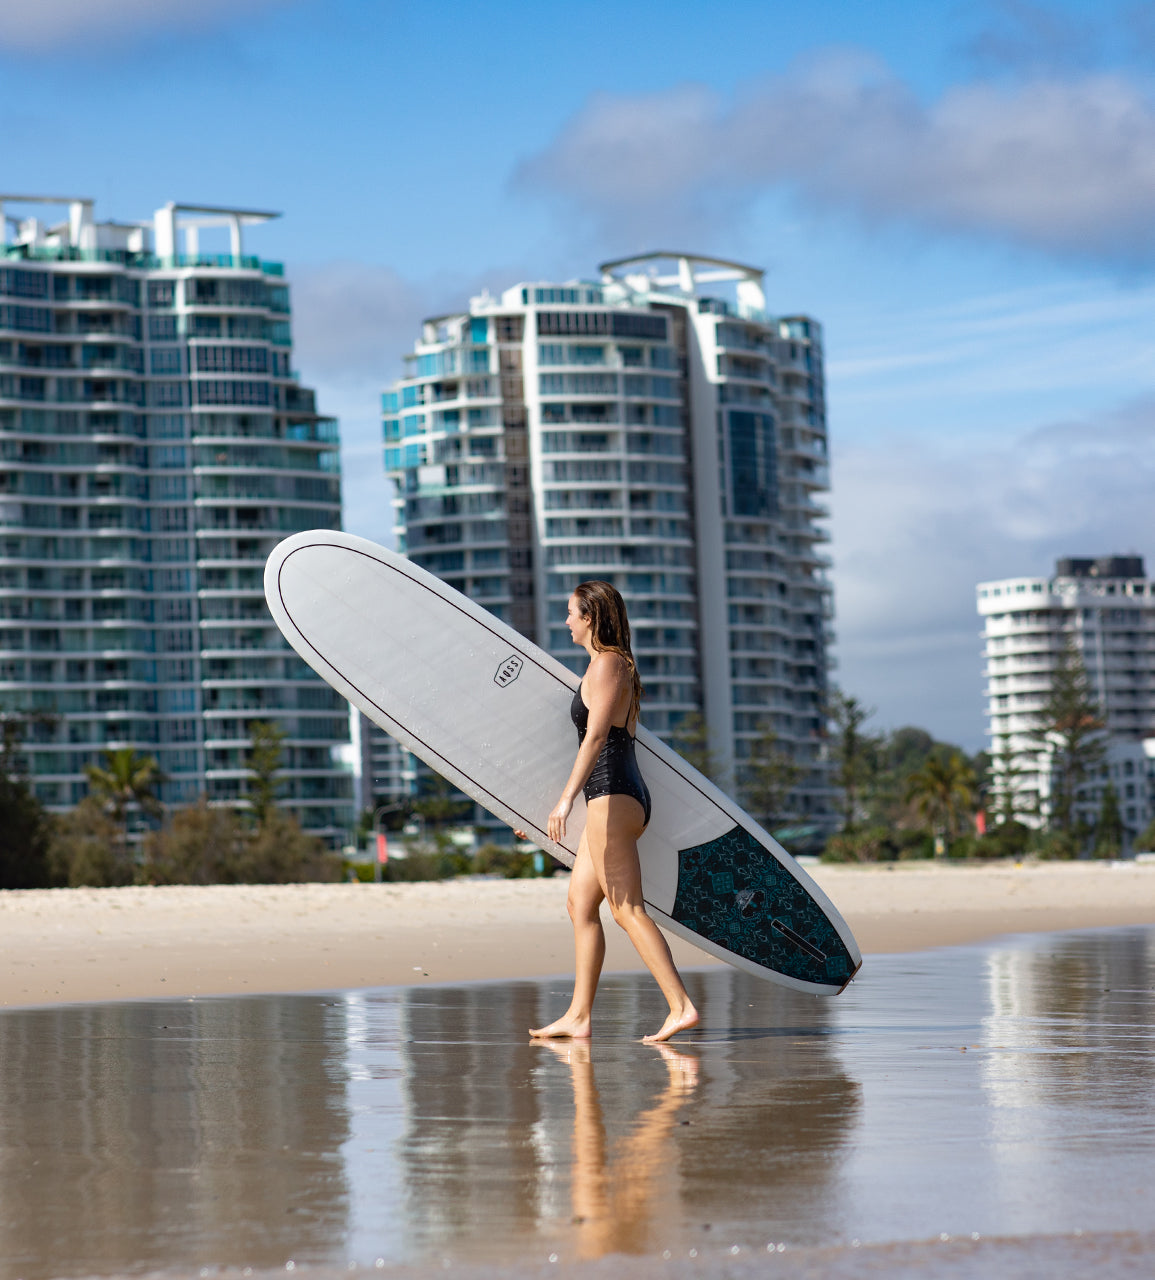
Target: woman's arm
(606, 679)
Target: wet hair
(603, 606)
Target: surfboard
(489, 711)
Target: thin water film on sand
(989, 1091)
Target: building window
(165, 359)
(161, 293)
(232, 359)
(167, 394)
(238, 392)
(162, 328)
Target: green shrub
(1007, 840)
(25, 832)
(1056, 846)
(862, 844)
(439, 861)
(511, 862)
(205, 845)
(913, 846)
(87, 848)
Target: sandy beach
(70, 945)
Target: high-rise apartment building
(155, 444)
(1105, 607)
(648, 430)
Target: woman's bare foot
(570, 1025)
(679, 1020)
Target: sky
(962, 193)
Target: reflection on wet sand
(1069, 1038)
(1082, 1012)
(147, 1135)
(777, 1111)
(622, 1190)
(615, 1147)
(1005, 1090)
(467, 1157)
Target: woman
(605, 711)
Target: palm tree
(126, 779)
(942, 790)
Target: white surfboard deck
(489, 711)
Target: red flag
(382, 848)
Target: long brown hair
(602, 604)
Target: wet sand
(1104, 1255)
(956, 1114)
(67, 945)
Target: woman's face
(579, 625)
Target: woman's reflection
(622, 1189)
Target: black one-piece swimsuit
(616, 772)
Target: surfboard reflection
(614, 1146)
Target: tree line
(900, 794)
(121, 834)
(905, 795)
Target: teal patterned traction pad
(734, 892)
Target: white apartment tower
(1106, 608)
(649, 430)
(155, 444)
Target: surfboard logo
(509, 670)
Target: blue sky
(964, 195)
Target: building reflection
(148, 1135)
(1068, 1072)
(1072, 1022)
(471, 1112)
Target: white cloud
(41, 25)
(353, 320)
(1066, 165)
(987, 364)
(918, 524)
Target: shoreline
(65, 946)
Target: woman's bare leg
(584, 903)
(613, 825)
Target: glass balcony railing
(138, 261)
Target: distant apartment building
(657, 429)
(155, 444)
(1105, 607)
